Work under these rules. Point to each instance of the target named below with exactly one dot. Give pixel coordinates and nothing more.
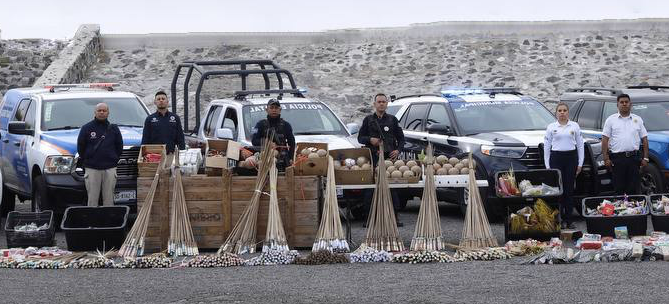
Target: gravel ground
(468, 282)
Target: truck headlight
(59, 164)
(499, 151)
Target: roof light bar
(95, 85)
(452, 92)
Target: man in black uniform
(284, 140)
(163, 127)
(382, 128)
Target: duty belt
(626, 153)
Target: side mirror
(442, 129)
(354, 128)
(19, 127)
(224, 133)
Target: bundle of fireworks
(156, 260)
(618, 207)
(527, 189)
(34, 258)
(507, 186)
(423, 257)
(530, 246)
(489, 254)
(540, 218)
(242, 237)
(427, 235)
(330, 235)
(273, 257)
(476, 232)
(366, 254)
(661, 205)
(209, 261)
(190, 161)
(444, 165)
(93, 263)
(152, 157)
(181, 241)
(275, 238)
(382, 233)
(34, 252)
(322, 257)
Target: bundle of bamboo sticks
(242, 238)
(275, 237)
(330, 234)
(134, 242)
(476, 232)
(382, 233)
(181, 241)
(427, 235)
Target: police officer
(377, 129)
(163, 127)
(100, 145)
(622, 135)
(284, 140)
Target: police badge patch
(386, 129)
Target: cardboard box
(356, 177)
(231, 149)
(310, 166)
(148, 169)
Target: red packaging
(591, 245)
(607, 209)
(152, 157)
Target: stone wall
(345, 68)
(22, 61)
(74, 61)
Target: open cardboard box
(310, 166)
(231, 149)
(148, 169)
(355, 177)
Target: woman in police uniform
(563, 150)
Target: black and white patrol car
(500, 126)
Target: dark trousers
(626, 175)
(566, 162)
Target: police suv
(500, 126)
(38, 143)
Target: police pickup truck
(500, 126)
(38, 143)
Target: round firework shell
(458, 166)
(442, 159)
(388, 163)
(416, 170)
(399, 163)
(453, 160)
(436, 166)
(305, 152)
(387, 174)
(313, 155)
(447, 166)
(442, 171)
(361, 161)
(356, 167)
(322, 153)
(349, 162)
(464, 171)
(391, 169)
(408, 173)
(465, 162)
(453, 171)
(404, 169)
(366, 166)
(411, 163)
(396, 174)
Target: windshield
(305, 118)
(495, 116)
(74, 113)
(655, 115)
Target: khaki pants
(100, 180)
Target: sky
(60, 19)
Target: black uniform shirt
(282, 129)
(386, 128)
(164, 130)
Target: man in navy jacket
(100, 145)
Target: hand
(608, 163)
(644, 163)
(246, 153)
(374, 141)
(394, 154)
(578, 170)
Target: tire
(651, 180)
(40, 201)
(8, 199)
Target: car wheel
(40, 199)
(651, 180)
(8, 202)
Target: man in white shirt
(623, 133)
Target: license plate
(123, 196)
(340, 192)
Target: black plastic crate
(95, 228)
(660, 220)
(550, 177)
(39, 238)
(605, 225)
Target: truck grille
(532, 159)
(127, 164)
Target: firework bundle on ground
(330, 234)
(181, 240)
(156, 260)
(97, 260)
(476, 232)
(488, 254)
(221, 260)
(242, 239)
(366, 254)
(382, 233)
(427, 236)
(417, 257)
(134, 243)
(51, 262)
(322, 257)
(273, 257)
(275, 238)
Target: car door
(413, 125)
(231, 121)
(14, 148)
(212, 122)
(439, 115)
(589, 118)
(23, 173)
